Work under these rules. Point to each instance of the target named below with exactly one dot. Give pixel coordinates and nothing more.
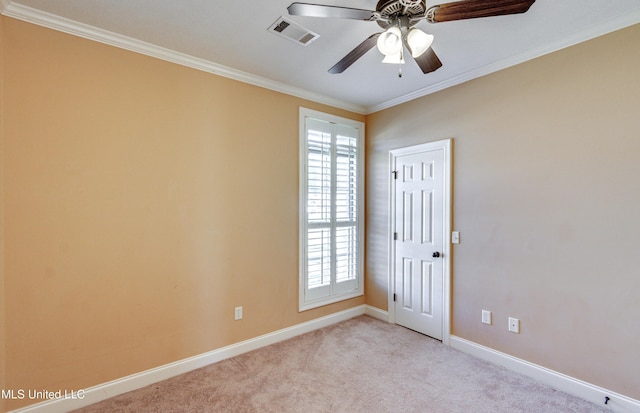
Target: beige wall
(546, 194)
(142, 202)
(2, 329)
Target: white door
(420, 245)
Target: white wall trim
(28, 14)
(309, 298)
(591, 33)
(618, 403)
(51, 21)
(595, 394)
(375, 312)
(135, 381)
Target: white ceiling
(231, 38)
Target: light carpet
(359, 365)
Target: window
(331, 208)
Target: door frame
(446, 145)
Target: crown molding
(623, 21)
(40, 18)
(51, 21)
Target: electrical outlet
(238, 313)
(486, 317)
(514, 325)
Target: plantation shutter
(331, 244)
(346, 205)
(319, 194)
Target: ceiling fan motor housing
(410, 3)
(391, 10)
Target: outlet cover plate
(514, 325)
(486, 317)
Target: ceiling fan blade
(355, 54)
(428, 61)
(472, 9)
(319, 10)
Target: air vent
(292, 31)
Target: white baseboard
(135, 381)
(376, 313)
(618, 403)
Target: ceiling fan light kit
(390, 42)
(397, 18)
(418, 41)
(397, 58)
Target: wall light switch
(455, 237)
(238, 313)
(486, 317)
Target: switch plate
(455, 237)
(486, 317)
(514, 325)
(238, 313)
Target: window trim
(335, 296)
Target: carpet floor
(359, 365)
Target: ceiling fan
(397, 18)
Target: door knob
(436, 254)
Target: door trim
(446, 145)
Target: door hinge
(395, 236)
(395, 174)
(395, 297)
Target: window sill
(308, 305)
